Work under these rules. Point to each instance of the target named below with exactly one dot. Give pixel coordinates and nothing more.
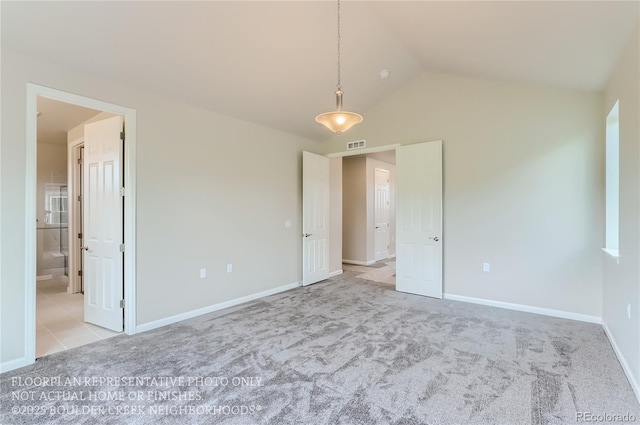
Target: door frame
(33, 92)
(74, 177)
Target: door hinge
(121, 247)
(79, 273)
(122, 191)
(79, 235)
(80, 161)
(121, 303)
(79, 198)
(122, 135)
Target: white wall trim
(336, 273)
(33, 92)
(29, 353)
(215, 307)
(526, 308)
(15, 364)
(625, 366)
(358, 263)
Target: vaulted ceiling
(274, 63)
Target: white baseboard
(358, 263)
(14, 364)
(336, 273)
(526, 308)
(44, 277)
(625, 366)
(215, 307)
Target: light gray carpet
(345, 351)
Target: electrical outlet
(486, 267)
(203, 273)
(229, 268)
(628, 311)
(287, 224)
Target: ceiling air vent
(358, 144)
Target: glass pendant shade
(339, 121)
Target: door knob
(306, 235)
(435, 238)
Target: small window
(612, 188)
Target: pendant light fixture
(339, 121)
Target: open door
(102, 227)
(419, 219)
(315, 218)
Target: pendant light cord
(339, 85)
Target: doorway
(65, 317)
(35, 96)
(368, 215)
(419, 219)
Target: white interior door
(381, 214)
(102, 227)
(315, 218)
(419, 219)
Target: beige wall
(523, 184)
(622, 281)
(78, 131)
(354, 209)
(211, 190)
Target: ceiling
(274, 63)
(56, 118)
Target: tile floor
(382, 271)
(60, 321)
